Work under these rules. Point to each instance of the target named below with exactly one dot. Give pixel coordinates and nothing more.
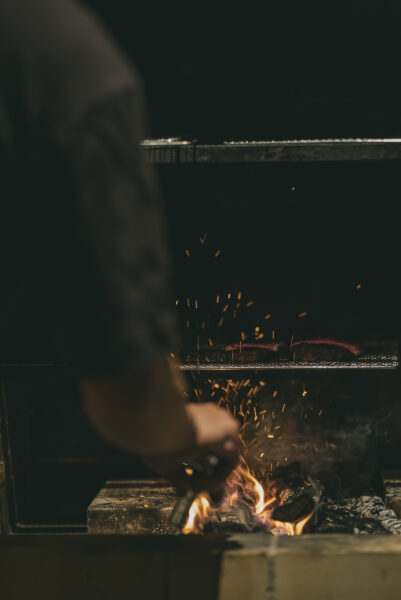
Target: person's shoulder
(63, 49)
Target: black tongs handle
(205, 466)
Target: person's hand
(214, 431)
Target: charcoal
(294, 509)
(374, 507)
(358, 515)
(238, 519)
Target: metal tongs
(205, 466)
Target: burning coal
(284, 423)
(260, 499)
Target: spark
(239, 295)
(217, 253)
(176, 302)
(217, 298)
(210, 342)
(187, 253)
(304, 393)
(358, 287)
(283, 408)
(302, 314)
(275, 393)
(203, 239)
(267, 317)
(248, 304)
(220, 323)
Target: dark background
(217, 71)
(294, 238)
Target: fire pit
(308, 463)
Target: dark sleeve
(110, 264)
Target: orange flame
(259, 491)
(243, 486)
(198, 514)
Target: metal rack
(370, 362)
(178, 151)
(376, 356)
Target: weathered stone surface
(337, 567)
(311, 567)
(128, 507)
(244, 574)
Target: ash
(361, 515)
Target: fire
(243, 486)
(252, 482)
(198, 514)
(291, 528)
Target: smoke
(340, 429)
(328, 436)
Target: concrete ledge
(243, 567)
(313, 567)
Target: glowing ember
(261, 499)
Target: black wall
(264, 70)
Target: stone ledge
(312, 567)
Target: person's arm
(119, 321)
(142, 412)
(146, 413)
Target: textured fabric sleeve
(110, 264)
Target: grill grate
(365, 362)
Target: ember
(253, 503)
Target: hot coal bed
(315, 436)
